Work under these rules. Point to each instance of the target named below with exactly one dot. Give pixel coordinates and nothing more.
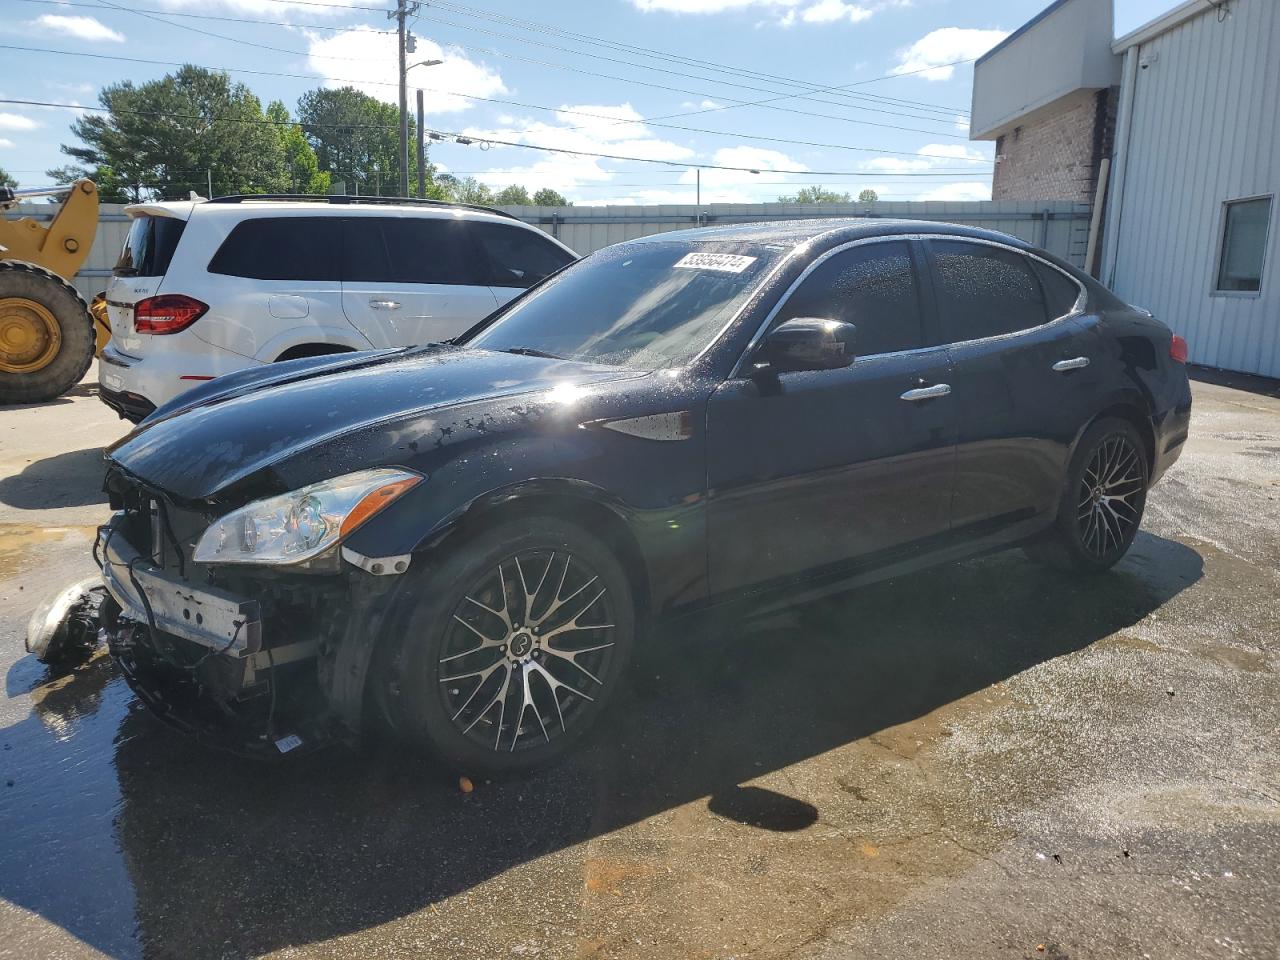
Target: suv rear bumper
(135, 386)
(130, 406)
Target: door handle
(385, 304)
(928, 393)
(1075, 363)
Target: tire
(1102, 501)
(445, 669)
(32, 296)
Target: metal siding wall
(1060, 226)
(1204, 131)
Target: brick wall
(1056, 156)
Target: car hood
(228, 432)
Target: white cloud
(829, 11)
(373, 68)
(928, 57)
(311, 8)
(16, 121)
(5, 142)
(703, 105)
(962, 123)
(707, 6)
(934, 155)
(974, 190)
(82, 28)
(563, 172)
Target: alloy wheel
(529, 646)
(1109, 504)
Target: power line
(531, 106)
(534, 26)
(462, 138)
(204, 16)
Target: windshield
(645, 305)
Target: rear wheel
(46, 334)
(1103, 501)
(515, 643)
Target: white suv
(208, 287)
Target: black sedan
(465, 542)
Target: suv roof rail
(348, 199)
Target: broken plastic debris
(465, 784)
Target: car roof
(793, 233)
(238, 207)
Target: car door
(412, 279)
(818, 470)
(1021, 377)
(272, 282)
(518, 256)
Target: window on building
(1244, 242)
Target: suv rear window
(517, 257)
(280, 248)
(149, 246)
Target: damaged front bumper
(199, 657)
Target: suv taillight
(1178, 349)
(167, 313)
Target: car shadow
(163, 848)
(72, 479)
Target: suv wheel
(1101, 507)
(513, 646)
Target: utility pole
(422, 150)
(699, 175)
(404, 8)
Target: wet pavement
(985, 760)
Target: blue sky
(888, 55)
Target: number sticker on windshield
(724, 262)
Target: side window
(517, 257)
(280, 248)
(1060, 291)
(409, 250)
(984, 291)
(874, 287)
(1244, 242)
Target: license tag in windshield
(723, 262)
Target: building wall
(1205, 129)
(1054, 153)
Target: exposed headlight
(298, 526)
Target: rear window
(149, 246)
(410, 250)
(280, 248)
(518, 257)
(1060, 291)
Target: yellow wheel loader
(48, 337)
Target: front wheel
(514, 644)
(1103, 501)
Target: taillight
(167, 313)
(1178, 349)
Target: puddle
(18, 541)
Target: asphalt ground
(984, 760)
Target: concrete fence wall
(1060, 226)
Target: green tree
(6, 180)
(356, 139)
(468, 190)
(868, 196)
(816, 195)
(513, 196)
(546, 197)
(305, 175)
(167, 137)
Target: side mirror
(806, 343)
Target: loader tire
(46, 334)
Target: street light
(404, 123)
